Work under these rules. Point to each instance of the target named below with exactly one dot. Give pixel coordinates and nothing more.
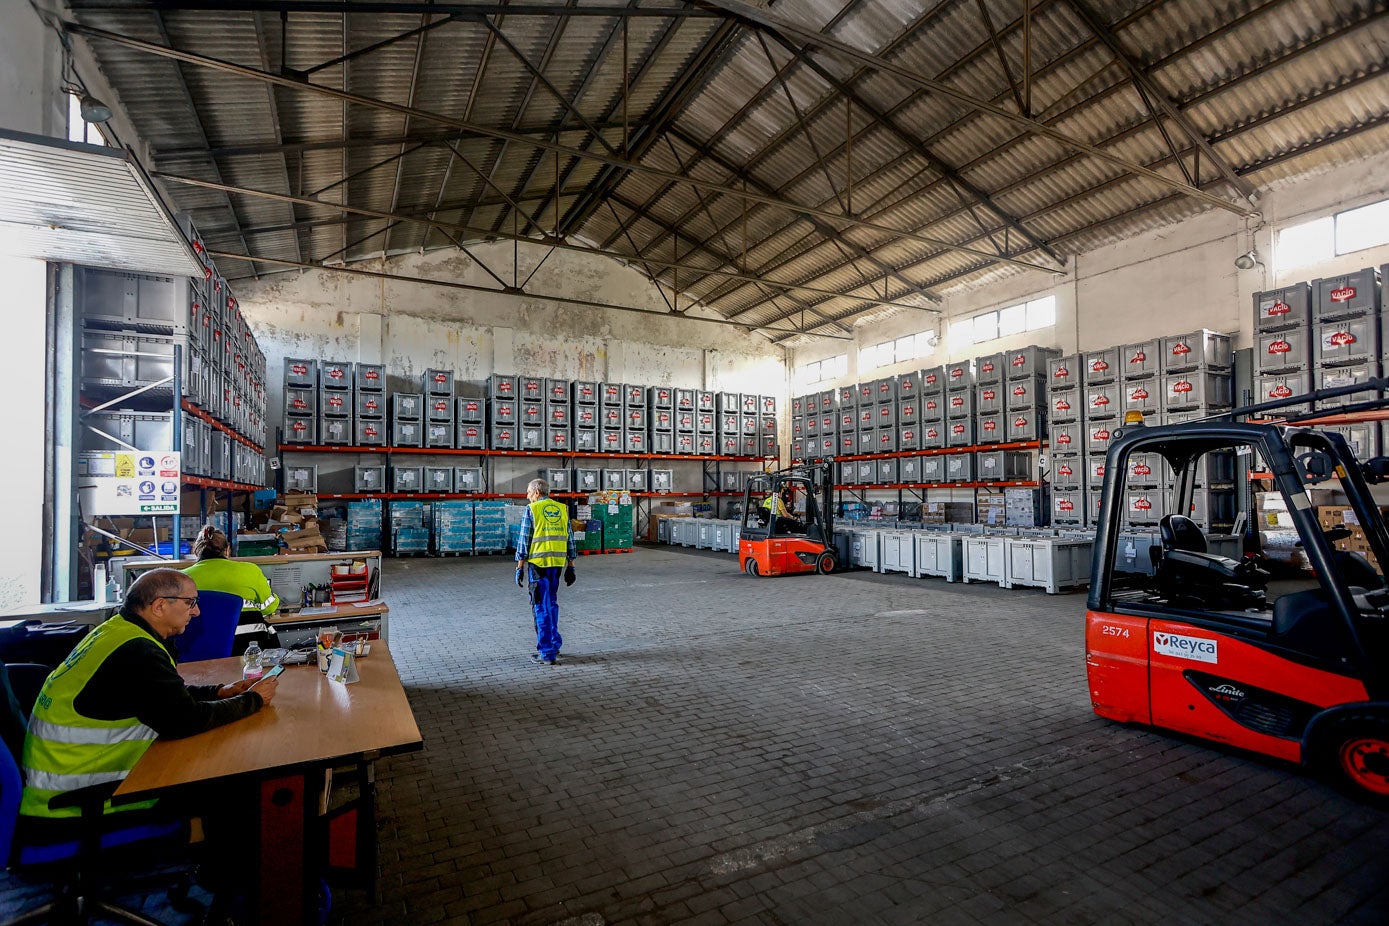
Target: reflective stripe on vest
(65, 750)
(549, 534)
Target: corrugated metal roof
(1278, 88)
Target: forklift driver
(778, 506)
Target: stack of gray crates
(503, 412)
(990, 400)
(584, 412)
(1102, 417)
(660, 418)
(686, 419)
(301, 401)
(1348, 344)
(407, 419)
(470, 423)
(636, 429)
(767, 445)
(729, 423)
(960, 417)
(1066, 438)
(1283, 346)
(611, 397)
(559, 416)
(440, 412)
(1024, 388)
(369, 423)
(336, 383)
(909, 412)
(932, 410)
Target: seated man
(117, 691)
(778, 506)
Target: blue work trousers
(544, 588)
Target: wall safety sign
(121, 483)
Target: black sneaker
(541, 660)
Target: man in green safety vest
(777, 507)
(544, 551)
(100, 710)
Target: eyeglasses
(191, 602)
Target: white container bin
(864, 549)
(1052, 563)
(939, 554)
(897, 552)
(704, 535)
(984, 559)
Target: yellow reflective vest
(64, 750)
(549, 534)
(244, 579)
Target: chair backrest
(212, 633)
(11, 781)
(1181, 533)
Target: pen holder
(324, 656)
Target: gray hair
(150, 587)
(539, 486)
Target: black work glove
(520, 580)
(569, 576)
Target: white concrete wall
(411, 327)
(1167, 281)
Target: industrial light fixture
(1248, 260)
(92, 109)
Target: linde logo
(1277, 308)
(1341, 339)
(1343, 294)
(1197, 649)
(1279, 346)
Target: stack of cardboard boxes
(295, 517)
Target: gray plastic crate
(1365, 439)
(530, 414)
(585, 440)
(1065, 404)
(1003, 465)
(933, 469)
(587, 479)
(470, 411)
(370, 404)
(610, 440)
(933, 407)
(1068, 507)
(1028, 362)
(634, 395)
(437, 382)
(301, 478)
(1274, 387)
(503, 437)
(142, 301)
(908, 411)
(1051, 563)
(586, 416)
(530, 437)
(1198, 350)
(933, 435)
(988, 398)
(301, 403)
(470, 436)
(584, 392)
(407, 478)
(885, 416)
(439, 434)
(1278, 351)
(1337, 377)
(558, 439)
(530, 389)
(1351, 340)
(502, 386)
(1196, 390)
(557, 415)
(407, 434)
(1024, 393)
(505, 411)
(438, 479)
(959, 375)
(1099, 436)
(468, 479)
(610, 394)
(909, 470)
(369, 479)
(1279, 309)
(634, 441)
(1063, 372)
(636, 480)
(940, 554)
(141, 430)
(1139, 360)
(1142, 395)
(635, 418)
(407, 406)
(1024, 426)
(663, 397)
(1068, 472)
(989, 368)
(661, 442)
(685, 401)
(1147, 470)
(959, 467)
(908, 438)
(959, 432)
(933, 380)
(991, 429)
(369, 432)
(960, 404)
(370, 377)
(557, 391)
(336, 431)
(1101, 366)
(1346, 296)
(439, 408)
(334, 403)
(337, 374)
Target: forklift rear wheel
(825, 564)
(751, 567)
(1358, 753)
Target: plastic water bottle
(251, 667)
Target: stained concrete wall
(411, 327)
(1174, 279)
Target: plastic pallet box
(503, 437)
(1024, 426)
(864, 549)
(557, 391)
(1137, 361)
(367, 433)
(1349, 341)
(407, 434)
(1068, 506)
(1280, 309)
(1147, 470)
(335, 431)
(1199, 350)
(959, 375)
(1098, 437)
(887, 472)
(500, 386)
(585, 440)
(988, 398)
(370, 377)
(1101, 366)
(301, 478)
(1051, 563)
(470, 436)
(468, 479)
(1143, 396)
(960, 404)
(437, 382)
(141, 301)
(933, 469)
(636, 480)
(370, 405)
(985, 559)
(530, 389)
(1103, 401)
(1365, 439)
(939, 554)
(1279, 351)
(1028, 362)
(897, 552)
(407, 478)
(1024, 394)
(142, 430)
(1346, 296)
(439, 408)
(438, 479)
(1064, 372)
(334, 403)
(438, 434)
(1065, 405)
(959, 432)
(407, 406)
(959, 467)
(584, 392)
(1003, 466)
(1275, 387)
(337, 375)
(989, 369)
(991, 429)
(558, 439)
(933, 380)
(1196, 390)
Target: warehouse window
(1014, 319)
(817, 371)
(78, 128)
(1319, 240)
(898, 350)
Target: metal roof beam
(760, 19)
(483, 233)
(441, 7)
(516, 292)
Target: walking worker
(544, 551)
(215, 572)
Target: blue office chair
(71, 861)
(212, 633)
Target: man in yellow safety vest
(544, 552)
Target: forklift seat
(1187, 574)
(1307, 622)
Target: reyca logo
(1197, 649)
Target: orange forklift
(1294, 667)
(774, 539)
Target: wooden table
(281, 752)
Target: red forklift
(1294, 667)
(777, 540)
